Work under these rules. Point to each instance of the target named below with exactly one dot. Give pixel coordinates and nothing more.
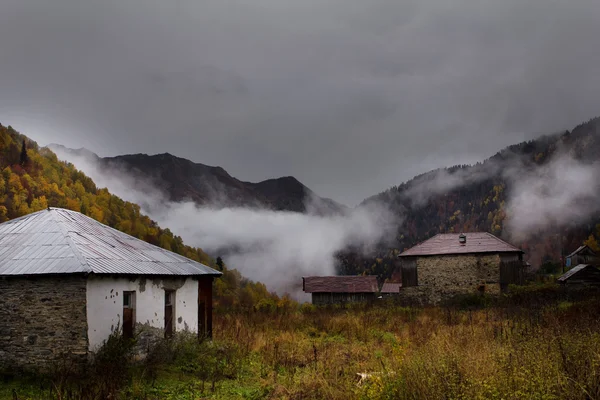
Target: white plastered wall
(105, 304)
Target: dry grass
(508, 352)
(533, 345)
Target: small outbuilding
(583, 255)
(67, 282)
(340, 289)
(390, 289)
(451, 264)
(581, 275)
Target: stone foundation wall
(42, 321)
(442, 277)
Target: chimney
(462, 239)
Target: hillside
(32, 178)
(498, 195)
(540, 194)
(181, 179)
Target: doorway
(169, 312)
(128, 314)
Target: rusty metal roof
(447, 244)
(59, 241)
(390, 287)
(339, 284)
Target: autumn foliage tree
(32, 178)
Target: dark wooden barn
(581, 275)
(340, 289)
(583, 255)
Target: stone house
(340, 289)
(451, 264)
(67, 282)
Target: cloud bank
(276, 248)
(562, 192)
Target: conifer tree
(24, 157)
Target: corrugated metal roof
(447, 243)
(59, 241)
(390, 287)
(574, 271)
(340, 284)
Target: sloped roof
(339, 284)
(580, 249)
(447, 244)
(59, 241)
(390, 287)
(581, 269)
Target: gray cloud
(348, 96)
(560, 193)
(563, 191)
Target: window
(128, 314)
(169, 295)
(128, 299)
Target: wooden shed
(583, 255)
(581, 275)
(390, 289)
(340, 289)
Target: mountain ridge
(181, 179)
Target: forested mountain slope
(32, 178)
(181, 179)
(542, 195)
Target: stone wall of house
(42, 321)
(442, 277)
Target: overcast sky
(349, 96)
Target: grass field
(535, 344)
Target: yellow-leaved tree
(34, 181)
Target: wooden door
(128, 314)
(128, 323)
(202, 317)
(169, 301)
(205, 307)
(511, 272)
